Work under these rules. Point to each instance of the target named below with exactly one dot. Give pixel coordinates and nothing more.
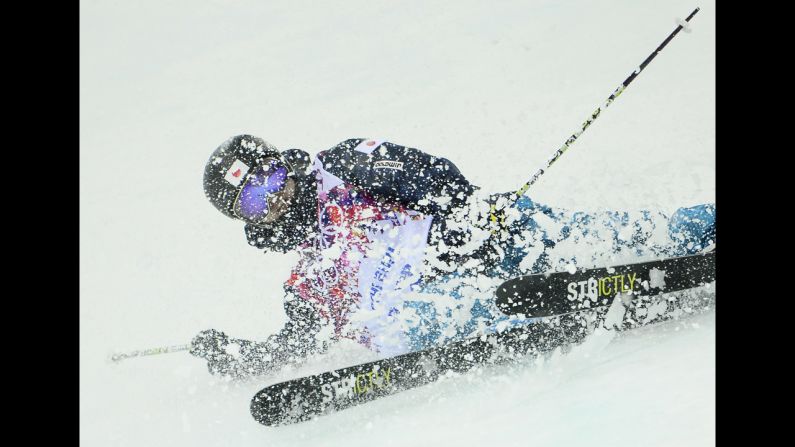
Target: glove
(211, 345)
(225, 356)
(495, 220)
(208, 344)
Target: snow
(494, 87)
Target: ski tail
(544, 295)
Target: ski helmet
(226, 170)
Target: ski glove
(230, 357)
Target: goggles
(265, 180)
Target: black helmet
(228, 165)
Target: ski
(304, 398)
(543, 295)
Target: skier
(398, 251)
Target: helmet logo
(236, 172)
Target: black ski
(304, 398)
(559, 293)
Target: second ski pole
(495, 216)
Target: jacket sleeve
(290, 346)
(420, 181)
(298, 338)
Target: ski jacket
(379, 207)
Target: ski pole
(119, 356)
(557, 154)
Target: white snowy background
(495, 86)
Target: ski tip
(270, 406)
(277, 405)
(263, 411)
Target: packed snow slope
(493, 86)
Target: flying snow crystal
(657, 279)
(615, 314)
(232, 349)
